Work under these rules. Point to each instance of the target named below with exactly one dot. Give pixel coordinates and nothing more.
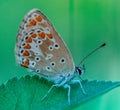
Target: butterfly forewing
(41, 49)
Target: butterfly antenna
(91, 53)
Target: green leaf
(26, 93)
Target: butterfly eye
(38, 31)
(52, 64)
(32, 64)
(48, 68)
(50, 47)
(39, 41)
(56, 46)
(31, 32)
(23, 44)
(38, 70)
(37, 59)
(62, 60)
(26, 34)
(21, 51)
(22, 60)
(26, 37)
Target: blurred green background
(84, 25)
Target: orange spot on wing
(26, 63)
(50, 36)
(39, 18)
(33, 35)
(25, 53)
(27, 46)
(41, 35)
(29, 40)
(32, 23)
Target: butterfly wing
(40, 48)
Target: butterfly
(41, 49)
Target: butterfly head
(80, 70)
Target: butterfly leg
(79, 82)
(49, 91)
(69, 88)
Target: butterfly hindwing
(40, 48)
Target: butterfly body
(40, 49)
